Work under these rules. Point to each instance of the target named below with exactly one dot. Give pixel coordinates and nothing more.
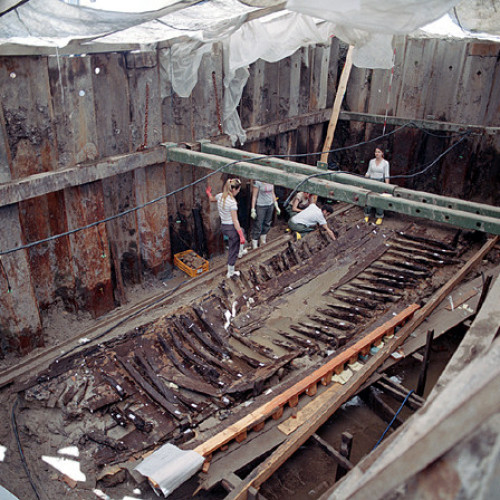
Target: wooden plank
(339, 97)
(282, 399)
(20, 328)
(292, 94)
(446, 69)
(94, 291)
(119, 196)
(207, 95)
(74, 104)
(145, 101)
(340, 459)
(176, 111)
(5, 175)
(475, 88)
(50, 262)
(152, 221)
(112, 108)
(48, 182)
(333, 69)
(29, 128)
(415, 75)
(284, 451)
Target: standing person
(307, 220)
(378, 170)
(230, 225)
(263, 204)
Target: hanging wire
(393, 419)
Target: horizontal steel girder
(356, 180)
(330, 185)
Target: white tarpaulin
(169, 467)
(370, 25)
(192, 27)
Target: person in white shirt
(308, 219)
(378, 170)
(263, 205)
(230, 225)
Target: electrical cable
(393, 419)
(420, 172)
(20, 448)
(201, 179)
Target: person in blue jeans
(263, 205)
(378, 170)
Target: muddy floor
(44, 435)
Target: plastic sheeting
(192, 27)
(370, 25)
(258, 40)
(169, 467)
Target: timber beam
(49, 182)
(327, 184)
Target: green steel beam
(292, 174)
(360, 181)
(291, 180)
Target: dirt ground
(59, 326)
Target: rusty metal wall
(62, 112)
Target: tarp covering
(184, 30)
(169, 467)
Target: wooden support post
(341, 459)
(345, 451)
(484, 291)
(425, 364)
(338, 102)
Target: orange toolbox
(191, 263)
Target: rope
(393, 419)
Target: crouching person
(306, 221)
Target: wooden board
(19, 316)
(94, 290)
(152, 221)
